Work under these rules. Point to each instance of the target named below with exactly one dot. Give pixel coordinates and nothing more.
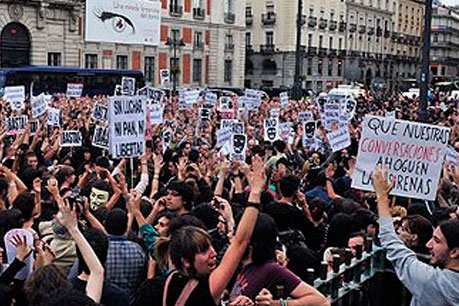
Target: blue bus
(52, 79)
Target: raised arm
(68, 218)
(220, 277)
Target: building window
(121, 62)
(149, 69)
(340, 68)
(321, 39)
(54, 59)
(309, 66)
(198, 40)
(269, 38)
(248, 11)
(443, 70)
(340, 43)
(330, 43)
(228, 71)
(319, 67)
(330, 67)
(310, 40)
(91, 61)
(197, 70)
(175, 35)
(435, 38)
(248, 39)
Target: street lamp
(297, 92)
(425, 63)
(174, 43)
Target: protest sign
(166, 139)
(54, 117)
(238, 147)
(127, 123)
(305, 116)
(128, 86)
(183, 105)
(330, 115)
(191, 97)
(11, 251)
(156, 114)
(204, 114)
(223, 136)
(118, 91)
(38, 106)
(339, 139)
(71, 138)
(320, 102)
(165, 76)
(349, 110)
(16, 124)
(238, 127)
(227, 124)
(226, 103)
(252, 99)
(271, 132)
(274, 112)
(100, 112)
(100, 138)
(286, 131)
(414, 153)
(74, 90)
(210, 98)
(451, 156)
(390, 115)
(34, 126)
(309, 132)
(15, 95)
(283, 99)
(227, 114)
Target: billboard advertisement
(123, 21)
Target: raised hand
(22, 249)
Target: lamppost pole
(296, 82)
(425, 66)
(175, 44)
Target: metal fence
(349, 282)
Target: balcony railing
(198, 45)
(342, 53)
(371, 30)
(322, 23)
(312, 50)
(268, 18)
(386, 33)
(362, 29)
(333, 25)
(175, 10)
(352, 27)
(229, 47)
(303, 20)
(312, 21)
(230, 18)
(342, 26)
(267, 49)
(199, 13)
(332, 52)
(379, 31)
(322, 51)
(248, 19)
(248, 49)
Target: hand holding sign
(22, 249)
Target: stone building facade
(208, 37)
(342, 41)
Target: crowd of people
(184, 225)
